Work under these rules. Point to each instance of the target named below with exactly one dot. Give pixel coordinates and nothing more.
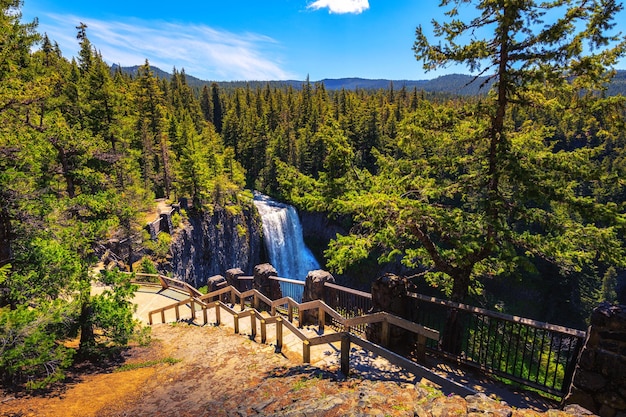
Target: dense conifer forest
(522, 187)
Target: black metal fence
(348, 302)
(525, 351)
(532, 353)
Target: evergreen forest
(522, 186)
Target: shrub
(30, 353)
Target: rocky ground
(209, 371)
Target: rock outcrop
(210, 243)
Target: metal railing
(291, 288)
(529, 352)
(532, 353)
(348, 302)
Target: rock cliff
(211, 243)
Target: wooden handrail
(175, 306)
(320, 306)
(345, 337)
(167, 281)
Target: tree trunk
(451, 337)
(87, 337)
(67, 174)
(6, 236)
(460, 286)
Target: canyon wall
(210, 243)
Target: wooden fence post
(384, 336)
(218, 320)
(263, 331)
(279, 334)
(345, 354)
(253, 326)
(236, 323)
(306, 351)
(421, 348)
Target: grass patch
(132, 366)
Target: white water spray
(282, 233)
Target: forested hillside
(524, 188)
(454, 84)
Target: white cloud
(341, 6)
(202, 51)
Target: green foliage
(177, 220)
(146, 266)
(112, 311)
(148, 364)
(158, 248)
(30, 351)
(609, 285)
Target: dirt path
(208, 372)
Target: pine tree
(218, 112)
(526, 56)
(472, 194)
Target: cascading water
(282, 233)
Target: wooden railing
(165, 283)
(535, 354)
(345, 337)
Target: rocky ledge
(309, 391)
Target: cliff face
(211, 243)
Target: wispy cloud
(341, 6)
(202, 51)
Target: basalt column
(389, 295)
(599, 382)
(263, 283)
(315, 289)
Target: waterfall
(282, 233)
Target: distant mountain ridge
(455, 84)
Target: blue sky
(248, 39)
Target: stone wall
(599, 382)
(163, 223)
